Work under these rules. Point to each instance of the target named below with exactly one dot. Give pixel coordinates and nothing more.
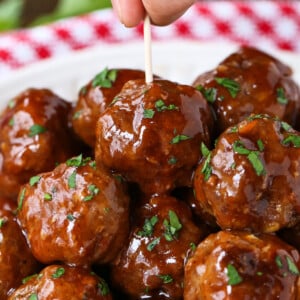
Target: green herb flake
(148, 227)
(70, 217)
(178, 138)
(172, 226)
(281, 98)
(26, 279)
(210, 94)
(77, 114)
(204, 150)
(21, 199)
(260, 145)
(232, 86)
(278, 261)
(240, 148)
(233, 276)
(60, 271)
(75, 161)
(161, 106)
(285, 126)
(292, 139)
(2, 221)
(92, 164)
(152, 244)
(166, 278)
(11, 122)
(34, 180)
(233, 129)
(11, 103)
(256, 162)
(103, 288)
(36, 129)
(291, 266)
(47, 197)
(83, 91)
(207, 169)
(94, 190)
(72, 180)
(193, 246)
(148, 113)
(259, 273)
(105, 78)
(172, 160)
(33, 296)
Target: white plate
(179, 60)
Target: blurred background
(26, 13)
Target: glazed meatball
(75, 214)
(250, 81)
(95, 96)
(240, 265)
(63, 282)
(151, 135)
(151, 265)
(251, 180)
(16, 260)
(34, 136)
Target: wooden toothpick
(148, 50)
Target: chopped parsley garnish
(83, 91)
(34, 180)
(36, 129)
(70, 217)
(60, 271)
(281, 98)
(21, 199)
(253, 156)
(11, 122)
(291, 266)
(232, 86)
(260, 145)
(148, 227)
(103, 287)
(172, 160)
(94, 190)
(206, 169)
(75, 161)
(115, 100)
(210, 94)
(234, 277)
(152, 244)
(2, 221)
(92, 164)
(33, 296)
(148, 113)
(72, 180)
(233, 129)
(161, 106)
(178, 138)
(172, 226)
(11, 103)
(105, 78)
(26, 279)
(47, 197)
(166, 278)
(278, 261)
(259, 273)
(193, 246)
(292, 139)
(285, 126)
(77, 114)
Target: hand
(161, 12)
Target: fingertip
(130, 12)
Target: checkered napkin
(274, 24)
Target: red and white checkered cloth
(274, 24)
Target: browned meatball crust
(63, 282)
(76, 214)
(250, 81)
(151, 135)
(243, 266)
(16, 260)
(34, 136)
(95, 96)
(251, 180)
(151, 265)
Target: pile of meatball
(154, 190)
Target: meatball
(94, 97)
(151, 266)
(34, 136)
(76, 214)
(63, 282)
(16, 260)
(151, 135)
(250, 81)
(251, 180)
(240, 265)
